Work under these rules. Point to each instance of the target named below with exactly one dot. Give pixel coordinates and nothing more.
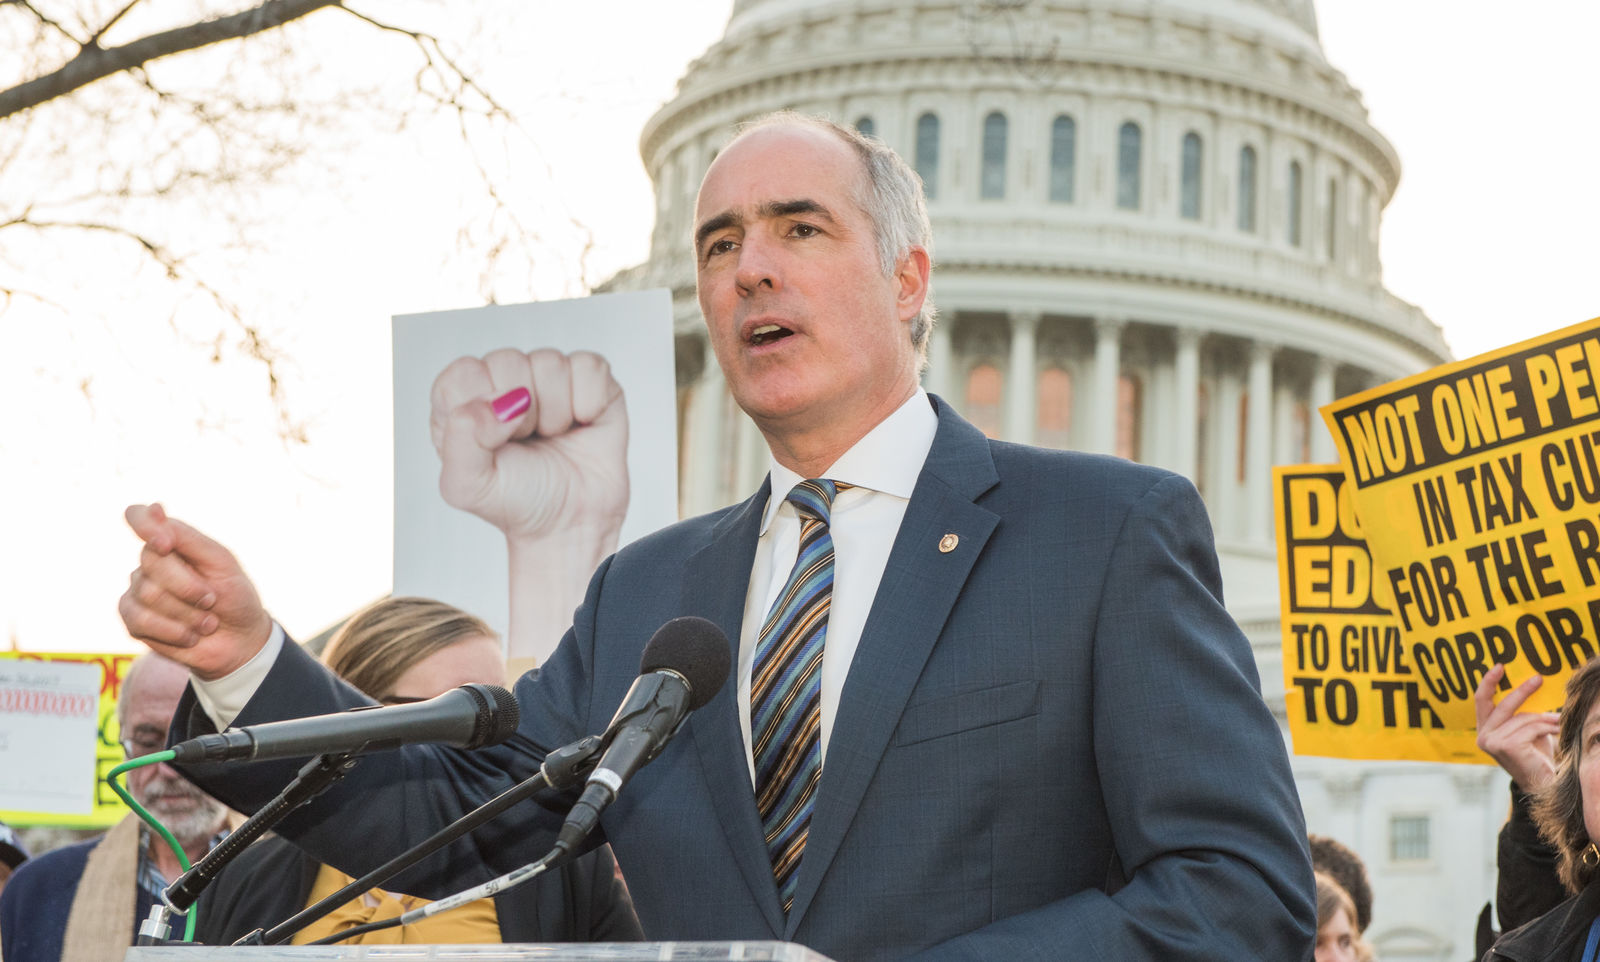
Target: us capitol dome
(1155, 232)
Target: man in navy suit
(1041, 734)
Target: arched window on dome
(1130, 412)
(927, 154)
(993, 184)
(864, 125)
(1295, 202)
(1063, 159)
(984, 388)
(1247, 188)
(1202, 438)
(1053, 427)
(1189, 186)
(1333, 220)
(1130, 143)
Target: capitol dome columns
(1186, 386)
(1258, 444)
(1107, 371)
(1022, 377)
(941, 360)
(1321, 395)
(702, 462)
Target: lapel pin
(948, 543)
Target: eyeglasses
(140, 745)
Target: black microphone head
(498, 714)
(694, 648)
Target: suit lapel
(919, 587)
(715, 579)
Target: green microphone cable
(155, 758)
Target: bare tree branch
(1022, 51)
(453, 88)
(94, 41)
(254, 343)
(213, 144)
(94, 63)
(433, 54)
(47, 21)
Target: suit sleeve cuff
(226, 697)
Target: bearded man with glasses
(83, 903)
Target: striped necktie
(786, 689)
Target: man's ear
(911, 276)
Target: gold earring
(1590, 857)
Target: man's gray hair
(893, 201)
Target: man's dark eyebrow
(788, 208)
(723, 220)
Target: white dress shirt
(882, 467)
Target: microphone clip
(568, 766)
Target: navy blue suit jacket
(1051, 741)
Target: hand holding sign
(1523, 744)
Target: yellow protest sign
(107, 809)
(1479, 484)
(1350, 688)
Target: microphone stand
(179, 897)
(562, 769)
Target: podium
(541, 952)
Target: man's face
(807, 327)
(188, 813)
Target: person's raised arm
(536, 444)
(1523, 743)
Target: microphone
(683, 666)
(471, 716)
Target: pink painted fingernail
(510, 405)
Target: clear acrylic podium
(542, 952)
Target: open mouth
(768, 334)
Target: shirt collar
(887, 459)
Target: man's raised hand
(189, 599)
